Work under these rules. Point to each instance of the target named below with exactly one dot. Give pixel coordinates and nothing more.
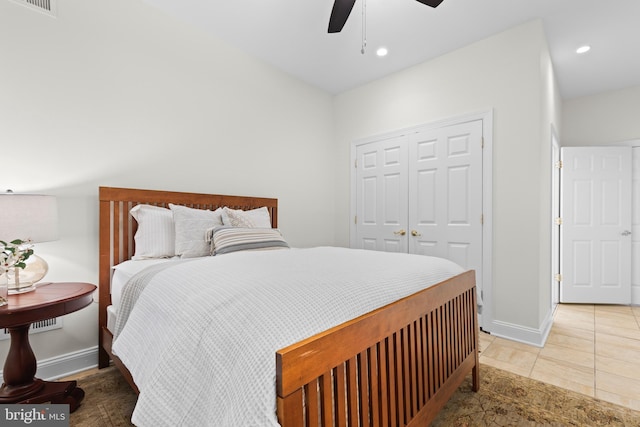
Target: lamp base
(23, 280)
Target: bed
(394, 365)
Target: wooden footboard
(396, 366)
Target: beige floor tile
(616, 347)
(515, 345)
(577, 319)
(510, 356)
(516, 368)
(583, 341)
(485, 341)
(615, 320)
(568, 355)
(619, 331)
(570, 377)
(625, 310)
(617, 384)
(571, 308)
(623, 368)
(618, 399)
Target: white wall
(551, 122)
(602, 119)
(115, 93)
(511, 73)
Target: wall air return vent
(48, 7)
(41, 326)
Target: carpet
(504, 399)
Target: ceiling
(292, 36)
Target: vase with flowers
(13, 256)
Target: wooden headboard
(117, 226)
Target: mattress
(121, 274)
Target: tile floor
(591, 349)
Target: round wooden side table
(46, 302)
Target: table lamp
(32, 217)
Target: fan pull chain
(364, 26)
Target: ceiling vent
(45, 6)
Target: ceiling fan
(342, 9)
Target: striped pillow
(227, 239)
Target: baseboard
(67, 364)
(523, 334)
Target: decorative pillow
(191, 227)
(229, 239)
(255, 218)
(154, 237)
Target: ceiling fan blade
(432, 3)
(339, 14)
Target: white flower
(14, 254)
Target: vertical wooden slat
(393, 391)
(326, 398)
(442, 351)
(383, 370)
(448, 346)
(420, 358)
(312, 415)
(290, 410)
(117, 224)
(374, 384)
(399, 377)
(429, 374)
(415, 378)
(352, 391)
(363, 388)
(406, 369)
(341, 397)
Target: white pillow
(255, 218)
(191, 227)
(155, 235)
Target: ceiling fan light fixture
(583, 49)
(382, 51)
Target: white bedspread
(201, 339)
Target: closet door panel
(381, 195)
(445, 210)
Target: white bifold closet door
(596, 212)
(422, 193)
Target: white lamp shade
(28, 216)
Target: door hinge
(355, 163)
(558, 277)
(558, 221)
(481, 219)
(559, 164)
(482, 142)
(355, 219)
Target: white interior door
(445, 194)
(635, 228)
(596, 225)
(381, 192)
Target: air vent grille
(44, 6)
(41, 326)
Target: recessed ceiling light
(382, 51)
(583, 49)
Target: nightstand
(47, 301)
